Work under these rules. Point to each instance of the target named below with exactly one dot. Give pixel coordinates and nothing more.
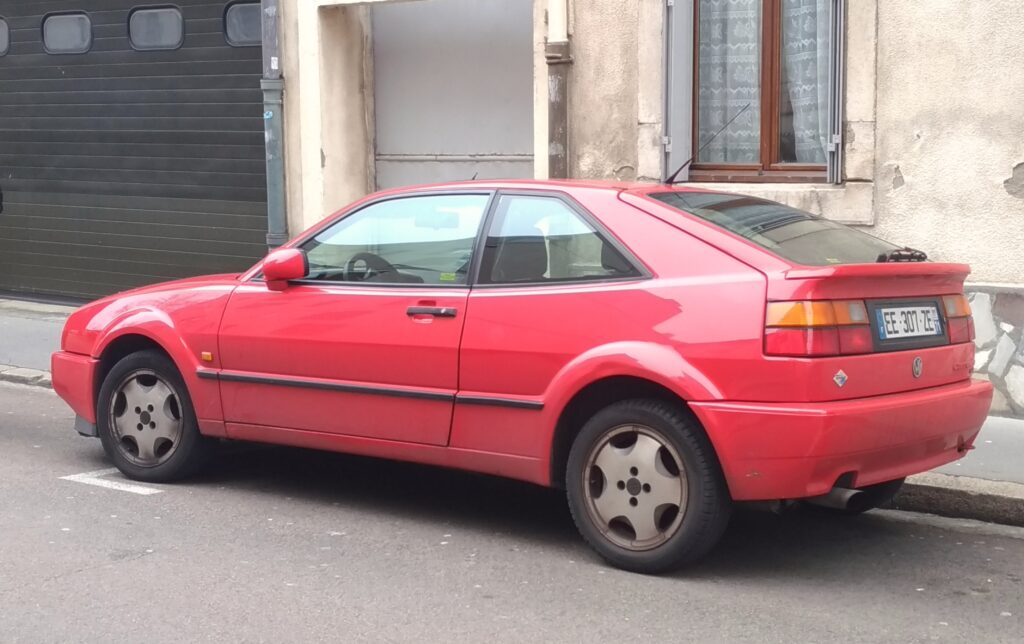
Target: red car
(661, 352)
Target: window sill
(848, 203)
(726, 175)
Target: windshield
(792, 234)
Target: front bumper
(774, 451)
(74, 380)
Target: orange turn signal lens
(800, 314)
(956, 306)
(816, 313)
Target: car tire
(645, 488)
(146, 421)
(871, 497)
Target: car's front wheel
(146, 422)
(645, 487)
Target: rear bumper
(74, 378)
(788, 451)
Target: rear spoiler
(895, 269)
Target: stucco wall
(950, 131)
(603, 89)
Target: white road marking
(92, 478)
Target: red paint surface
(781, 426)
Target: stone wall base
(998, 324)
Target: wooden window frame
(771, 169)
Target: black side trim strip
(498, 402)
(328, 386)
(209, 374)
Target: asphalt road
(283, 545)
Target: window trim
(147, 7)
(477, 242)
(6, 49)
(770, 169)
(643, 273)
(224, 24)
(42, 32)
(472, 282)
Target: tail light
(817, 328)
(958, 319)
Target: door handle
(436, 311)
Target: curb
(962, 497)
(23, 376)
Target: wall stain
(1015, 184)
(897, 179)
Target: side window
(542, 239)
(243, 26)
(410, 240)
(5, 37)
(67, 33)
(156, 28)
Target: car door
(367, 344)
(552, 285)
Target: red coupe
(661, 352)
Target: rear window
(792, 234)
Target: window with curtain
(763, 65)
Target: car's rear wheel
(146, 421)
(645, 487)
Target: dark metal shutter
(121, 168)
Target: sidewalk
(29, 333)
(987, 484)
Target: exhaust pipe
(839, 498)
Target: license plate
(908, 322)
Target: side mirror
(282, 265)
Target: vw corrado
(660, 352)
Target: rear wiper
(905, 254)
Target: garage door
(131, 143)
(453, 90)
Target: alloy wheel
(146, 416)
(635, 487)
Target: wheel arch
(117, 348)
(611, 373)
(594, 397)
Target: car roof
(637, 187)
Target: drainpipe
(558, 57)
(273, 126)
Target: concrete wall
(949, 165)
(328, 106)
(615, 89)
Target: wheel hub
(633, 486)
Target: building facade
(135, 141)
(900, 117)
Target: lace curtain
(729, 67)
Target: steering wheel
(362, 266)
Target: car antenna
(474, 176)
(675, 174)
